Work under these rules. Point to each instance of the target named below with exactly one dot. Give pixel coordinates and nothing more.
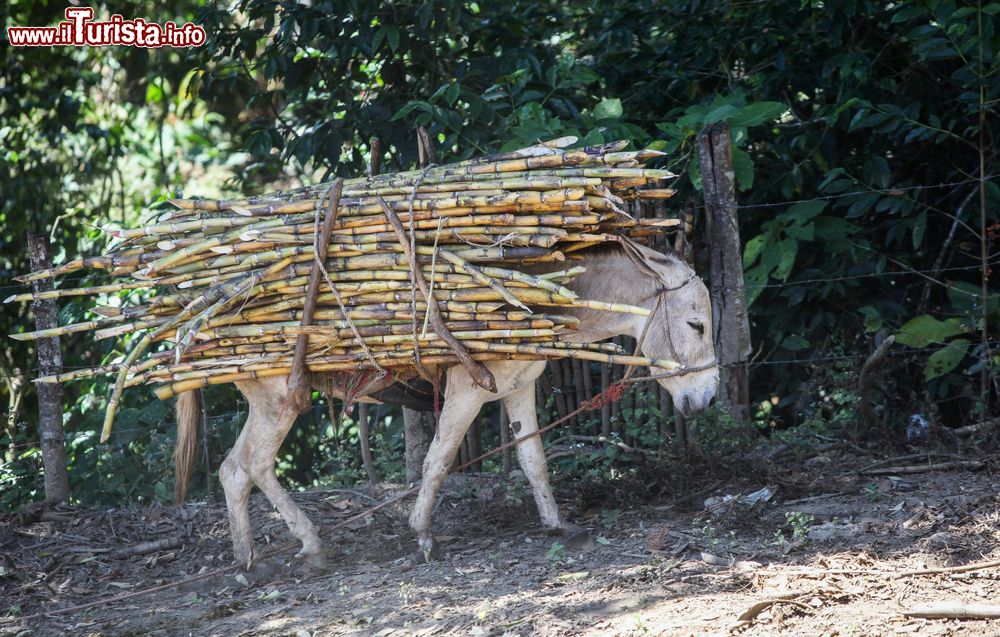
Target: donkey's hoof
(573, 537)
(315, 560)
(429, 548)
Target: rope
(413, 275)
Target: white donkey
(680, 329)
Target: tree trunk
(50, 409)
(729, 307)
(418, 429)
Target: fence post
(729, 307)
(418, 429)
(50, 411)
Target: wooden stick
(949, 569)
(865, 381)
(299, 385)
(924, 468)
(954, 609)
(480, 375)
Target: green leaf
(743, 167)
(754, 281)
(802, 233)
(873, 319)
(805, 210)
(154, 94)
(758, 113)
(919, 228)
(966, 298)
(392, 36)
(608, 109)
(454, 89)
(925, 329)
(724, 112)
(409, 108)
(788, 248)
(833, 228)
(694, 174)
(944, 360)
(794, 343)
(753, 249)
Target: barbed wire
(896, 191)
(867, 275)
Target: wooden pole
(508, 462)
(50, 409)
(299, 381)
(418, 429)
(364, 434)
(729, 307)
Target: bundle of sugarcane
(228, 279)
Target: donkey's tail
(188, 421)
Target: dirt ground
(837, 550)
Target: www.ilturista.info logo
(79, 30)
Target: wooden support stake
(299, 384)
(508, 463)
(729, 301)
(418, 429)
(375, 161)
(425, 148)
(865, 383)
(364, 435)
(50, 409)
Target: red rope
(612, 394)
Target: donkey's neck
(610, 277)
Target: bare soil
(832, 553)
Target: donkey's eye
(698, 327)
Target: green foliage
(799, 522)
(863, 117)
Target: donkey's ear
(638, 257)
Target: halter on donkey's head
(636, 255)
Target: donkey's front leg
(530, 452)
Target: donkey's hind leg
(236, 484)
(269, 422)
(456, 417)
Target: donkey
(679, 328)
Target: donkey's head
(679, 328)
